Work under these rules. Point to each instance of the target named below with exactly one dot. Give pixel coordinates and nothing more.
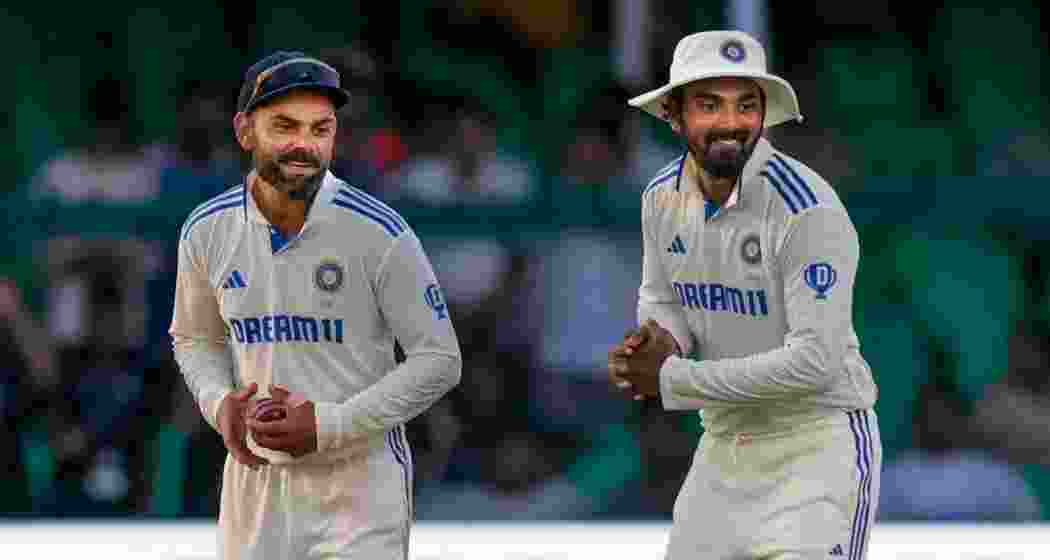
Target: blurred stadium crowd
(501, 132)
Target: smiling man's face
(292, 140)
(721, 121)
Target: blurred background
(501, 132)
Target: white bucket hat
(717, 54)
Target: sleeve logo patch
(821, 277)
(436, 301)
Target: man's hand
(618, 361)
(634, 365)
(231, 423)
(296, 433)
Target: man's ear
(673, 115)
(242, 125)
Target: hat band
(290, 72)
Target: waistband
(766, 422)
(360, 449)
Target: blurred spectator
(112, 396)
(1013, 414)
(458, 161)
(104, 213)
(607, 161)
(369, 144)
(27, 383)
(110, 167)
(947, 477)
(596, 153)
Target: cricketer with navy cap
(745, 314)
(292, 288)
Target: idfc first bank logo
(821, 277)
(436, 301)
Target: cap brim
(781, 100)
(339, 96)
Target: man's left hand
(296, 433)
(644, 362)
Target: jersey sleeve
(199, 336)
(412, 304)
(818, 263)
(657, 299)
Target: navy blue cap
(284, 71)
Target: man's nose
(729, 118)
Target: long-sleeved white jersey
(761, 288)
(318, 313)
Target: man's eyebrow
(715, 97)
(287, 119)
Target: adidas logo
(836, 550)
(677, 247)
(236, 280)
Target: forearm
(797, 369)
(207, 369)
(400, 395)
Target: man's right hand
(233, 427)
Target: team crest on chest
(328, 276)
(751, 249)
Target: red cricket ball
(268, 410)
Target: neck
(284, 212)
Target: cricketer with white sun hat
(754, 289)
(723, 54)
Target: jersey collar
(762, 152)
(319, 210)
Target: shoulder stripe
(373, 203)
(780, 189)
(391, 227)
(672, 170)
(380, 204)
(669, 166)
(798, 197)
(232, 194)
(211, 210)
(798, 179)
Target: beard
(722, 160)
(295, 186)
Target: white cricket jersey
(761, 288)
(318, 313)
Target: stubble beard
(724, 167)
(298, 187)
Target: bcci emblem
(733, 51)
(328, 276)
(821, 277)
(751, 250)
(435, 300)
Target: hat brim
(781, 100)
(339, 96)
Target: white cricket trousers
(357, 507)
(808, 493)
